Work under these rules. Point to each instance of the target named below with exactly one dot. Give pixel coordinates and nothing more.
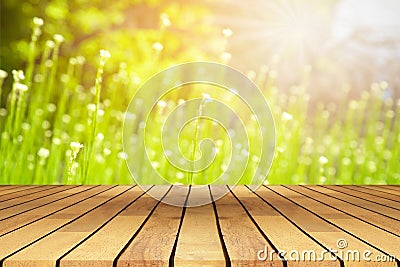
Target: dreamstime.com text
(331, 254)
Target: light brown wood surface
(199, 233)
(116, 234)
(369, 204)
(71, 234)
(315, 224)
(44, 193)
(241, 236)
(380, 200)
(357, 212)
(108, 226)
(19, 216)
(4, 194)
(383, 189)
(395, 196)
(155, 241)
(273, 223)
(395, 188)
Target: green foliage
(50, 110)
(127, 28)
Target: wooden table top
(275, 226)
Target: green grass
(47, 113)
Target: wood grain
(15, 189)
(115, 234)
(18, 239)
(45, 193)
(6, 187)
(273, 224)
(18, 216)
(389, 224)
(326, 233)
(153, 244)
(242, 239)
(386, 206)
(199, 243)
(72, 233)
(382, 189)
(386, 243)
(395, 188)
(26, 193)
(108, 226)
(378, 195)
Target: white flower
(165, 20)
(227, 32)
(43, 153)
(100, 136)
(286, 116)
(18, 75)
(58, 38)
(51, 107)
(72, 61)
(104, 56)
(76, 147)
(158, 46)
(3, 74)
(207, 98)
(180, 175)
(226, 56)
(162, 103)
(50, 44)
(20, 87)
(38, 21)
(323, 160)
(107, 151)
(56, 141)
(91, 107)
(122, 155)
(80, 60)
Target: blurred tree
(128, 29)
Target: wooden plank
(36, 195)
(386, 242)
(241, 237)
(22, 194)
(392, 205)
(318, 228)
(16, 189)
(382, 189)
(199, 243)
(102, 227)
(336, 192)
(6, 187)
(154, 243)
(11, 222)
(23, 237)
(389, 224)
(71, 234)
(376, 195)
(282, 232)
(116, 234)
(391, 187)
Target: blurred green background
(327, 68)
